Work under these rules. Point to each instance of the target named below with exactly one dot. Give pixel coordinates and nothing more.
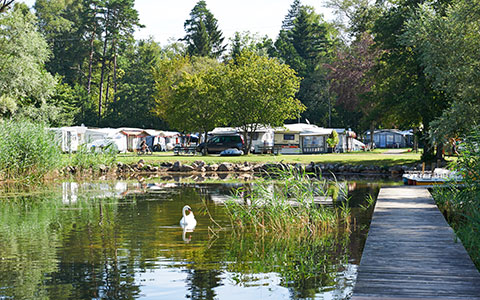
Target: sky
(163, 19)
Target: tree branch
(4, 4)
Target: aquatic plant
(27, 150)
(86, 158)
(461, 204)
(292, 206)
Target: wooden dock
(412, 253)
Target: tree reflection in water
(104, 248)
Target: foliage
(305, 43)
(136, 88)
(333, 139)
(27, 150)
(64, 25)
(246, 41)
(446, 44)
(195, 99)
(349, 78)
(260, 91)
(23, 52)
(203, 37)
(399, 69)
(461, 204)
(287, 209)
(86, 159)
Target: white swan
(188, 221)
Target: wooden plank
(412, 253)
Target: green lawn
(376, 157)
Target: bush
(27, 150)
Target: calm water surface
(122, 240)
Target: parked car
(219, 143)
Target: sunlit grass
(375, 157)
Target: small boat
(438, 176)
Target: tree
(203, 38)
(261, 91)
(447, 46)
(350, 80)
(119, 19)
(136, 95)
(404, 96)
(5, 4)
(246, 41)
(63, 25)
(289, 20)
(305, 44)
(23, 53)
(198, 101)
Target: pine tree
(288, 22)
(203, 37)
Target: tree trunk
(415, 140)
(205, 149)
(107, 92)
(372, 129)
(248, 144)
(439, 154)
(90, 59)
(114, 73)
(102, 73)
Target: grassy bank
(376, 158)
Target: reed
(287, 206)
(85, 158)
(27, 150)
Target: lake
(122, 240)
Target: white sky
(163, 19)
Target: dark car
(219, 143)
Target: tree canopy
(203, 37)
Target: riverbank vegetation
(27, 150)
(461, 204)
(31, 152)
(295, 205)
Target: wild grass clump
(27, 150)
(289, 207)
(86, 158)
(461, 204)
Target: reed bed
(27, 150)
(288, 208)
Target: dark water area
(122, 240)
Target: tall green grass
(27, 150)
(86, 158)
(461, 204)
(288, 208)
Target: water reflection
(122, 240)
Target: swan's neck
(184, 214)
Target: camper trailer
(67, 139)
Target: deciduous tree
(261, 91)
